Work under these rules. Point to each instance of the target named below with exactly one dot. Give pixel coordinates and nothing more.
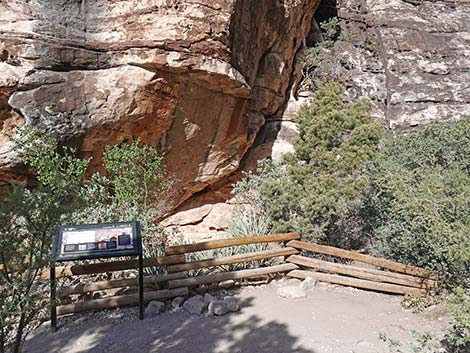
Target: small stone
(227, 284)
(218, 307)
(208, 298)
(291, 292)
(289, 282)
(195, 305)
(232, 304)
(308, 283)
(365, 344)
(177, 302)
(155, 307)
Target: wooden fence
(393, 277)
(175, 281)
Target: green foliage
(250, 217)
(457, 338)
(418, 204)
(133, 167)
(422, 343)
(313, 55)
(28, 217)
(318, 65)
(325, 178)
(133, 189)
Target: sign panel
(92, 241)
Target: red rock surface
(194, 78)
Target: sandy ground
(330, 319)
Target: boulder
(232, 304)
(208, 298)
(177, 302)
(195, 305)
(218, 307)
(155, 307)
(222, 307)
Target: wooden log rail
(253, 256)
(365, 273)
(122, 265)
(224, 276)
(119, 283)
(383, 263)
(358, 283)
(224, 243)
(119, 301)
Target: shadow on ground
(176, 332)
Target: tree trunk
(19, 333)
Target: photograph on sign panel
(102, 239)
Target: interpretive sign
(95, 241)
(92, 241)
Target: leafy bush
(250, 217)
(418, 204)
(318, 64)
(325, 179)
(133, 189)
(457, 338)
(28, 218)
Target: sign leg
(141, 287)
(53, 298)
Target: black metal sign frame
(96, 241)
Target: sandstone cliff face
(194, 78)
(207, 81)
(411, 57)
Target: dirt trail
(330, 319)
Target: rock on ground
(222, 307)
(195, 305)
(291, 292)
(308, 283)
(155, 307)
(177, 302)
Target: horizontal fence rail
(253, 256)
(119, 283)
(119, 301)
(111, 266)
(358, 283)
(224, 243)
(365, 273)
(352, 255)
(224, 276)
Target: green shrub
(418, 204)
(457, 338)
(133, 189)
(28, 217)
(325, 179)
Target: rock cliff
(411, 57)
(213, 83)
(194, 78)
